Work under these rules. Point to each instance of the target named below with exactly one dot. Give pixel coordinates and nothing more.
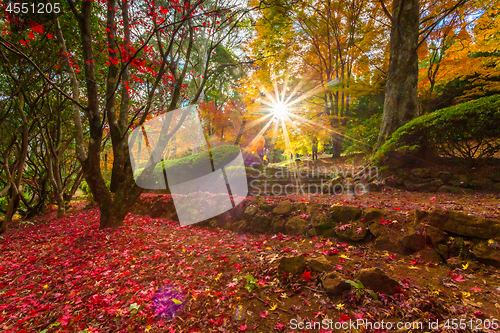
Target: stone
(257, 200)
(408, 184)
(443, 251)
(376, 280)
(460, 180)
(413, 242)
(464, 225)
(373, 215)
(374, 186)
(285, 207)
(422, 186)
(376, 229)
(334, 284)
(241, 226)
(313, 208)
(435, 235)
(295, 265)
(278, 225)
(421, 172)
(482, 183)
(251, 211)
(387, 243)
(390, 181)
(450, 189)
(296, 226)
(346, 214)
(437, 182)
(260, 223)
(487, 254)
(444, 176)
(429, 255)
(319, 264)
(351, 233)
(321, 222)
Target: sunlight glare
(279, 110)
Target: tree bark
(401, 94)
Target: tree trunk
(240, 133)
(11, 210)
(401, 94)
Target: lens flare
(279, 110)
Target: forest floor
(152, 275)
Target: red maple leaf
(306, 276)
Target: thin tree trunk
(240, 133)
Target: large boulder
(296, 226)
(460, 180)
(373, 215)
(319, 264)
(260, 223)
(334, 284)
(450, 189)
(346, 214)
(429, 255)
(321, 222)
(313, 208)
(376, 280)
(462, 224)
(285, 207)
(413, 242)
(487, 254)
(251, 211)
(292, 265)
(421, 173)
(278, 225)
(376, 229)
(434, 235)
(389, 243)
(354, 232)
(482, 183)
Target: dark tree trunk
(401, 94)
(240, 133)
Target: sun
(279, 110)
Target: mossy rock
(295, 265)
(296, 226)
(373, 215)
(346, 214)
(352, 233)
(284, 207)
(487, 254)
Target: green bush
(361, 136)
(468, 131)
(188, 167)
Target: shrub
(191, 167)
(468, 131)
(361, 136)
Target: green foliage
(188, 167)
(361, 136)
(251, 283)
(360, 289)
(467, 131)
(86, 189)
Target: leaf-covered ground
(152, 275)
